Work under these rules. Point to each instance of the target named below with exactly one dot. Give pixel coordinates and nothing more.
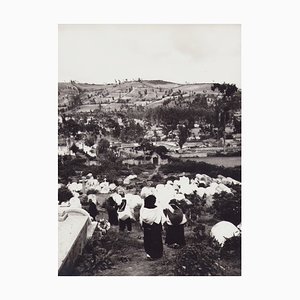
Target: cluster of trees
(217, 114)
(132, 132)
(72, 127)
(149, 148)
(172, 116)
(228, 101)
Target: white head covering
(117, 198)
(224, 230)
(152, 215)
(112, 187)
(147, 191)
(75, 202)
(93, 198)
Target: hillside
(113, 95)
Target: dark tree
(183, 135)
(228, 101)
(161, 150)
(102, 147)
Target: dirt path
(154, 172)
(129, 257)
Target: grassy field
(219, 161)
(148, 90)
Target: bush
(228, 207)
(137, 170)
(156, 178)
(194, 211)
(94, 259)
(149, 166)
(111, 175)
(64, 194)
(199, 232)
(197, 260)
(232, 248)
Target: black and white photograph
(149, 150)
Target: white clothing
(152, 215)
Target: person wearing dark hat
(151, 219)
(175, 225)
(124, 216)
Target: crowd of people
(152, 216)
(156, 208)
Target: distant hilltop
(135, 92)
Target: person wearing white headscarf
(151, 219)
(75, 202)
(125, 216)
(176, 220)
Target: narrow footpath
(129, 258)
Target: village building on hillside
(237, 137)
(64, 145)
(154, 159)
(157, 159)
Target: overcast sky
(178, 53)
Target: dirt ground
(126, 252)
(129, 258)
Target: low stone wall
(74, 229)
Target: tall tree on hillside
(228, 101)
(102, 147)
(183, 135)
(116, 130)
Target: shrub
(94, 259)
(197, 260)
(199, 232)
(194, 211)
(232, 248)
(64, 194)
(149, 166)
(111, 175)
(228, 207)
(156, 177)
(137, 170)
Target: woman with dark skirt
(175, 225)
(92, 210)
(151, 219)
(111, 208)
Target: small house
(157, 160)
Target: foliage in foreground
(64, 194)
(232, 248)
(198, 259)
(94, 258)
(228, 206)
